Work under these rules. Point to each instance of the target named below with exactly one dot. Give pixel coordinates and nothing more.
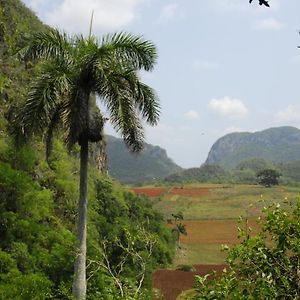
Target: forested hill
(152, 163)
(17, 23)
(276, 145)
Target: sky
(224, 65)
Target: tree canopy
(268, 177)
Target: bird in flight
(262, 2)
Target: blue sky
(224, 65)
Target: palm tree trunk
(79, 282)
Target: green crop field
(222, 202)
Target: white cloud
(74, 15)
(268, 24)
(228, 107)
(199, 65)
(169, 12)
(291, 114)
(192, 115)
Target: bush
(268, 177)
(185, 268)
(265, 266)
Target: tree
(73, 71)
(179, 227)
(268, 177)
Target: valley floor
(211, 216)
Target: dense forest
(127, 239)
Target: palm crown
(73, 70)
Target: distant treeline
(245, 172)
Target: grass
(187, 294)
(225, 202)
(210, 219)
(194, 254)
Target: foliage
(268, 177)
(37, 212)
(185, 268)
(265, 266)
(206, 173)
(16, 24)
(244, 172)
(75, 69)
(253, 164)
(290, 171)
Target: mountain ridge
(276, 144)
(151, 164)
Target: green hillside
(151, 164)
(206, 173)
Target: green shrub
(185, 268)
(265, 266)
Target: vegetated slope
(275, 145)
(17, 23)
(38, 203)
(152, 163)
(206, 173)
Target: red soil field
(172, 282)
(150, 192)
(191, 192)
(214, 231)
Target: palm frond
(123, 114)
(130, 50)
(142, 95)
(48, 45)
(148, 103)
(46, 92)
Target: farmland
(211, 213)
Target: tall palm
(74, 70)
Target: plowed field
(150, 191)
(172, 282)
(214, 231)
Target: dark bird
(262, 2)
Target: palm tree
(74, 70)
